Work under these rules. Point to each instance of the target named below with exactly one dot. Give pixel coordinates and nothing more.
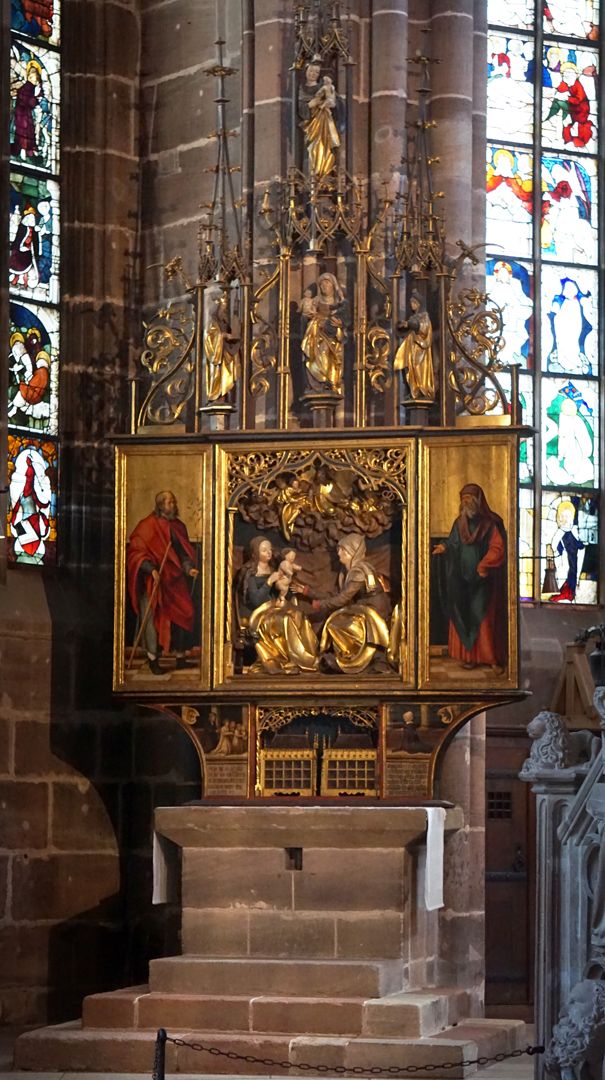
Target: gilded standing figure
(321, 133)
(323, 341)
(414, 356)
(221, 347)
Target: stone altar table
(306, 938)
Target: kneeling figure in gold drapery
(361, 626)
(323, 341)
(415, 354)
(221, 347)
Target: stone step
(491, 1035)
(68, 1047)
(321, 978)
(414, 1015)
(402, 1014)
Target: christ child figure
(288, 567)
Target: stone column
(460, 952)
(389, 70)
(554, 797)
(555, 779)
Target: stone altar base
(305, 939)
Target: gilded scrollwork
(169, 357)
(273, 720)
(475, 324)
(377, 358)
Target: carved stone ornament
(576, 1047)
(554, 747)
(599, 704)
(550, 744)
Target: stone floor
(521, 1068)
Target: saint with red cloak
(160, 562)
(475, 583)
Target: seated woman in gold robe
(359, 628)
(283, 636)
(323, 341)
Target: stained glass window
(509, 200)
(542, 270)
(34, 264)
(32, 500)
(574, 18)
(570, 547)
(569, 209)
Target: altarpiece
(316, 540)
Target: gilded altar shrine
(316, 534)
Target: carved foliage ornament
(317, 497)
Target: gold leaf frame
(248, 464)
(148, 462)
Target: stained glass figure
(517, 13)
(569, 320)
(509, 201)
(510, 285)
(510, 90)
(33, 368)
(573, 18)
(33, 236)
(39, 19)
(570, 547)
(35, 91)
(526, 544)
(569, 209)
(569, 98)
(569, 432)
(32, 499)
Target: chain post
(159, 1061)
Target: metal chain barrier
(339, 1070)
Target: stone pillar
(555, 774)
(389, 73)
(460, 956)
(554, 797)
(178, 114)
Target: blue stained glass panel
(509, 201)
(517, 13)
(573, 18)
(526, 543)
(569, 320)
(34, 111)
(510, 89)
(569, 98)
(569, 209)
(510, 285)
(569, 553)
(570, 432)
(33, 368)
(33, 238)
(38, 19)
(32, 500)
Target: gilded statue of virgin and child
(349, 631)
(318, 102)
